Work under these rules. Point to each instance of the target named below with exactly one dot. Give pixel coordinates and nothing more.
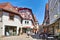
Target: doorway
(24, 30)
(10, 30)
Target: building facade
(46, 17)
(54, 10)
(28, 19)
(54, 16)
(14, 20)
(10, 20)
(37, 27)
(46, 20)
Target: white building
(27, 21)
(12, 20)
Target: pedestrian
(28, 33)
(7, 33)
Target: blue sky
(37, 6)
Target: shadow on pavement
(35, 36)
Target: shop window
(11, 16)
(27, 22)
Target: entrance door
(10, 30)
(24, 30)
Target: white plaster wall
(1, 29)
(7, 21)
(27, 25)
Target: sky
(37, 6)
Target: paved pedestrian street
(21, 37)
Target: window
(11, 16)
(26, 22)
(0, 15)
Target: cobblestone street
(21, 37)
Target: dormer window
(26, 22)
(11, 16)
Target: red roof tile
(47, 6)
(8, 7)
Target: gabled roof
(2, 5)
(19, 9)
(35, 19)
(30, 17)
(46, 16)
(46, 6)
(9, 8)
